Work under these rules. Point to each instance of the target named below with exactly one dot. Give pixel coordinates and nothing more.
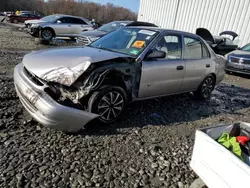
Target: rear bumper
(44, 109)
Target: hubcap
(47, 34)
(207, 87)
(110, 106)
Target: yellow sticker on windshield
(138, 44)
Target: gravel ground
(150, 147)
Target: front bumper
(45, 109)
(238, 68)
(34, 31)
(83, 40)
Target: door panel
(161, 77)
(61, 28)
(196, 71)
(64, 27)
(77, 25)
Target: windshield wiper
(101, 48)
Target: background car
(87, 37)
(60, 26)
(222, 44)
(239, 60)
(22, 18)
(58, 86)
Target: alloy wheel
(207, 87)
(110, 106)
(47, 34)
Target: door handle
(207, 65)
(180, 67)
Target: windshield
(246, 48)
(130, 41)
(49, 18)
(111, 26)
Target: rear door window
(64, 20)
(194, 49)
(77, 21)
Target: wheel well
(115, 78)
(214, 76)
(49, 28)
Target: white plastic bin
(214, 164)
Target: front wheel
(47, 34)
(205, 89)
(109, 102)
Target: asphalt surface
(150, 147)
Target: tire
(15, 21)
(100, 103)
(47, 34)
(206, 87)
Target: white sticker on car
(147, 32)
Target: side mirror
(156, 54)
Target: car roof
(65, 15)
(120, 21)
(162, 30)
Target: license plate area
(237, 66)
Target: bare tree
(90, 10)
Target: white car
(58, 25)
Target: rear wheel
(47, 34)
(205, 89)
(109, 102)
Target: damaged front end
(73, 87)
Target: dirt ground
(150, 147)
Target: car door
(198, 62)
(164, 76)
(78, 25)
(62, 26)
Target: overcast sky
(130, 4)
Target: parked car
(68, 87)
(222, 44)
(87, 37)
(22, 18)
(8, 13)
(60, 26)
(239, 60)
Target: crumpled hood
(94, 33)
(65, 65)
(240, 53)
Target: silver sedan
(68, 87)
